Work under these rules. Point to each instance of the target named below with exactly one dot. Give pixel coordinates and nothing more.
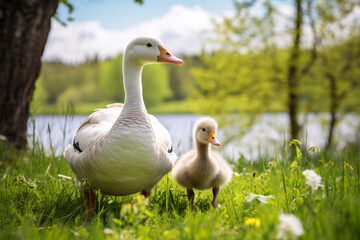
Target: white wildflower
(312, 179)
(290, 227)
(264, 199)
(3, 138)
(109, 231)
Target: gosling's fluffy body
(203, 168)
(201, 173)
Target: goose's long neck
(132, 84)
(202, 150)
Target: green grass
(38, 203)
(174, 107)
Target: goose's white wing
(97, 124)
(101, 121)
(161, 134)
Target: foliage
(258, 68)
(111, 84)
(68, 5)
(155, 84)
(180, 78)
(40, 200)
(96, 82)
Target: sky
(103, 28)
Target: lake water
(265, 136)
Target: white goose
(122, 149)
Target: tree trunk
(292, 77)
(333, 108)
(24, 28)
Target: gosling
(202, 168)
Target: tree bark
(24, 28)
(292, 77)
(333, 109)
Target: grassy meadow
(40, 199)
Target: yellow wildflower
(346, 165)
(329, 164)
(126, 209)
(295, 142)
(314, 149)
(20, 178)
(272, 164)
(252, 222)
(294, 165)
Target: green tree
(292, 73)
(181, 80)
(111, 84)
(232, 83)
(155, 82)
(247, 75)
(95, 81)
(24, 27)
(339, 33)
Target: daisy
(290, 227)
(312, 179)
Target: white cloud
(182, 30)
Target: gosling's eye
(149, 45)
(203, 129)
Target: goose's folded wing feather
(97, 124)
(161, 134)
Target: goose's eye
(149, 45)
(203, 129)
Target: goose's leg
(191, 195)
(215, 191)
(90, 201)
(146, 192)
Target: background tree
(297, 55)
(333, 82)
(96, 83)
(340, 58)
(246, 75)
(24, 27)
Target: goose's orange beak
(212, 139)
(166, 57)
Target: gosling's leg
(191, 195)
(90, 201)
(215, 191)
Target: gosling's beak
(212, 139)
(166, 57)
